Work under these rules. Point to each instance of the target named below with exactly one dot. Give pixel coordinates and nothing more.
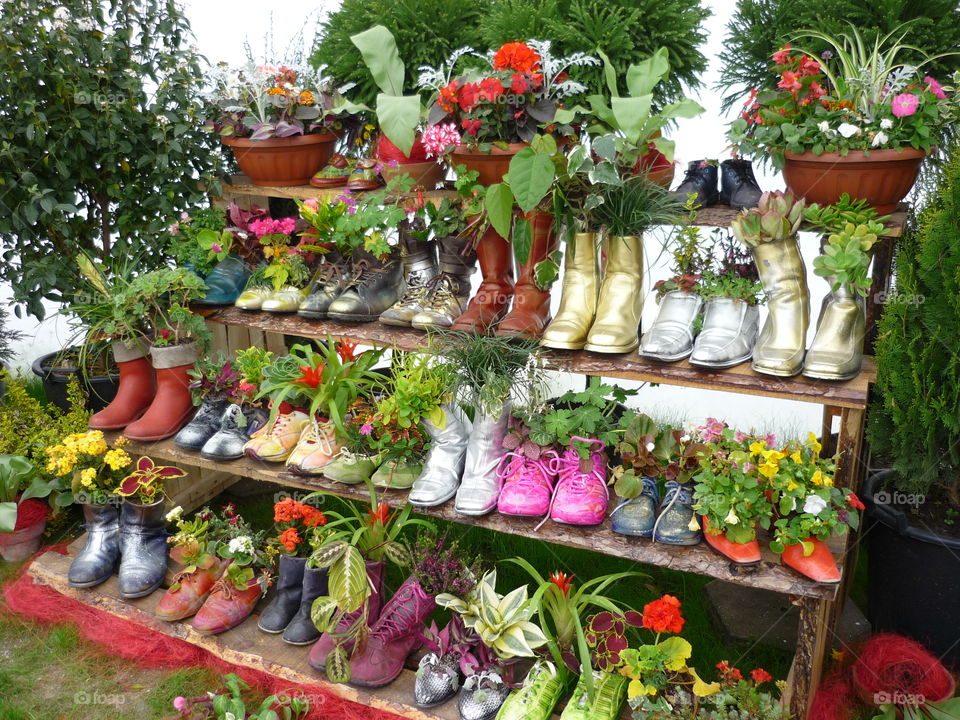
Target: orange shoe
(819, 565)
(740, 553)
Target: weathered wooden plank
(240, 187)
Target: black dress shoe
(377, 284)
(738, 186)
(701, 178)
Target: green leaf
(530, 177)
(498, 202)
(348, 580)
(632, 115)
(609, 74)
(8, 516)
(522, 240)
(644, 76)
(338, 665)
(605, 146)
(379, 50)
(398, 117)
(322, 612)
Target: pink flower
(366, 429)
(739, 436)
(311, 204)
(439, 139)
(770, 439)
(217, 248)
(181, 704)
(782, 56)
(269, 226)
(904, 104)
(174, 228)
(935, 87)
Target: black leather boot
(286, 602)
(738, 186)
(301, 630)
(419, 268)
(98, 558)
(376, 285)
(143, 548)
(330, 280)
(701, 178)
(205, 423)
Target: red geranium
(519, 83)
(490, 89)
(727, 673)
(760, 676)
(471, 126)
(468, 97)
(449, 95)
(663, 615)
(516, 56)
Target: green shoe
(537, 698)
(609, 694)
(252, 298)
(397, 474)
(350, 469)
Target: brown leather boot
(490, 302)
(173, 406)
(530, 313)
(138, 385)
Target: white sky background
(221, 36)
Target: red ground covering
(30, 512)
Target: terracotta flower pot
(282, 162)
(21, 544)
(492, 165)
(425, 175)
(883, 178)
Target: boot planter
(205, 424)
(582, 496)
(173, 405)
(419, 259)
(98, 558)
(837, 349)
(530, 312)
(480, 487)
(616, 326)
(818, 564)
(275, 441)
(444, 462)
(673, 526)
(349, 468)
(315, 449)
(190, 589)
(225, 282)
(637, 516)
(328, 284)
(285, 300)
(671, 336)
(449, 292)
(482, 696)
(229, 440)
(143, 548)
(701, 180)
(286, 601)
(578, 296)
(138, 386)
(226, 607)
(376, 285)
(738, 185)
(392, 638)
(739, 553)
(492, 298)
(301, 630)
(779, 350)
(728, 335)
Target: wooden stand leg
(814, 635)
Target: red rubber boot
(138, 386)
(173, 406)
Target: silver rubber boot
(480, 487)
(443, 465)
(837, 349)
(728, 335)
(671, 336)
(143, 548)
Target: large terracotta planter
(282, 162)
(491, 166)
(425, 175)
(883, 178)
(21, 544)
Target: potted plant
(228, 702)
(213, 383)
(857, 119)
(280, 283)
(23, 518)
(279, 121)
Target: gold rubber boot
(780, 349)
(616, 328)
(837, 349)
(578, 298)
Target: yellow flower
(796, 457)
(276, 91)
(693, 525)
(773, 455)
(769, 469)
(121, 441)
(87, 476)
(117, 459)
(791, 485)
(757, 447)
(820, 479)
(812, 442)
(306, 98)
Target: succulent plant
(777, 216)
(846, 258)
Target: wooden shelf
(240, 185)
(741, 379)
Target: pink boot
(393, 637)
(527, 484)
(581, 496)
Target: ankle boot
(173, 405)
(286, 602)
(490, 302)
(480, 488)
(779, 350)
(700, 179)
(448, 293)
(329, 281)
(738, 185)
(376, 285)
(98, 558)
(578, 298)
(671, 336)
(205, 424)
(617, 324)
(530, 312)
(728, 335)
(328, 641)
(301, 630)
(143, 548)
(837, 349)
(443, 465)
(419, 268)
(138, 386)
(393, 637)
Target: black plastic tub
(101, 389)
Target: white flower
(684, 438)
(163, 119)
(61, 13)
(693, 525)
(242, 544)
(814, 504)
(731, 518)
(650, 447)
(886, 124)
(848, 130)
(85, 24)
(174, 514)
(879, 139)
(824, 127)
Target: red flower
(519, 83)
(490, 89)
(471, 126)
(346, 350)
(380, 515)
(727, 673)
(562, 77)
(809, 66)
(782, 56)
(790, 81)
(760, 676)
(448, 96)
(663, 615)
(855, 502)
(562, 581)
(536, 80)
(310, 376)
(165, 334)
(816, 91)
(516, 56)
(469, 94)
(313, 517)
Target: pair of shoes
(190, 588)
(335, 173)
(304, 444)
(297, 586)
(354, 289)
(670, 521)
(225, 281)
(266, 298)
(220, 429)
(130, 534)
(737, 183)
(545, 685)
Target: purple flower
(826, 54)
(366, 429)
(174, 228)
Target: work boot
(449, 291)
(738, 185)
(329, 281)
(376, 284)
(530, 312)
(172, 406)
(98, 558)
(138, 387)
(419, 268)
(700, 179)
(143, 548)
(780, 349)
(286, 601)
(578, 297)
(617, 324)
(301, 630)
(490, 302)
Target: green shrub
(915, 419)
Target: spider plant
(634, 205)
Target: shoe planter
(98, 558)
(226, 607)
(740, 553)
(225, 282)
(530, 312)
(609, 694)
(701, 180)
(350, 469)
(539, 695)
(637, 516)
(316, 448)
(676, 524)
(448, 292)
(204, 425)
(275, 441)
(671, 336)
(728, 335)
(396, 474)
(237, 425)
(819, 565)
(137, 389)
(301, 630)
(143, 548)
(578, 295)
(438, 678)
(492, 298)
(616, 326)
(252, 298)
(189, 590)
(482, 696)
(527, 485)
(287, 595)
(780, 348)
(334, 174)
(173, 405)
(376, 285)
(285, 300)
(444, 461)
(837, 349)
(581, 497)
(480, 487)
(738, 185)
(419, 259)
(329, 282)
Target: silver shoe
(443, 465)
(480, 488)
(438, 679)
(671, 336)
(482, 696)
(837, 349)
(728, 335)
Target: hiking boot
(328, 283)
(701, 180)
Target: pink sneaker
(581, 496)
(527, 484)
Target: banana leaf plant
(18, 482)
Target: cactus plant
(777, 216)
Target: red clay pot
(425, 175)
(282, 162)
(659, 170)
(492, 165)
(884, 178)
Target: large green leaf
(609, 74)
(644, 76)
(379, 50)
(676, 651)
(522, 240)
(348, 580)
(8, 516)
(499, 205)
(531, 175)
(398, 117)
(632, 114)
(322, 612)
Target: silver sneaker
(728, 335)
(482, 696)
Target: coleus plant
(145, 483)
(212, 375)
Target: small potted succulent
(23, 517)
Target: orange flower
(310, 376)
(380, 515)
(562, 581)
(516, 56)
(290, 538)
(313, 517)
(663, 615)
(276, 91)
(346, 349)
(306, 98)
